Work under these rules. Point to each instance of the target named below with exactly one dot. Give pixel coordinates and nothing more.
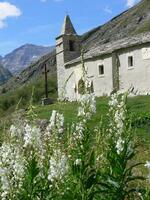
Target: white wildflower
(113, 101)
(58, 166)
(87, 106)
(27, 136)
(77, 161)
(81, 111)
(117, 110)
(5, 188)
(56, 124)
(13, 130)
(12, 167)
(32, 136)
(16, 131)
(60, 123)
(140, 195)
(120, 145)
(147, 165)
(78, 133)
(52, 119)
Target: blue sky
(39, 21)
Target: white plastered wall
(102, 83)
(137, 76)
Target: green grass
(68, 109)
(138, 106)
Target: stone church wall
(102, 84)
(137, 76)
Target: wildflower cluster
(58, 166)
(24, 141)
(120, 151)
(12, 166)
(56, 123)
(71, 163)
(117, 112)
(87, 106)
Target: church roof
(67, 27)
(128, 29)
(131, 22)
(110, 47)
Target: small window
(130, 61)
(101, 69)
(71, 45)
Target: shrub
(11, 99)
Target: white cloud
(107, 10)
(7, 10)
(131, 3)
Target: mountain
(132, 22)
(33, 72)
(4, 75)
(1, 58)
(21, 57)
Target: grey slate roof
(110, 47)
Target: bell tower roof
(68, 27)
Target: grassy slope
(9, 100)
(138, 107)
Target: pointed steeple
(67, 27)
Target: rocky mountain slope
(21, 57)
(1, 58)
(33, 72)
(131, 22)
(4, 75)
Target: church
(114, 65)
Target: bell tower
(67, 49)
